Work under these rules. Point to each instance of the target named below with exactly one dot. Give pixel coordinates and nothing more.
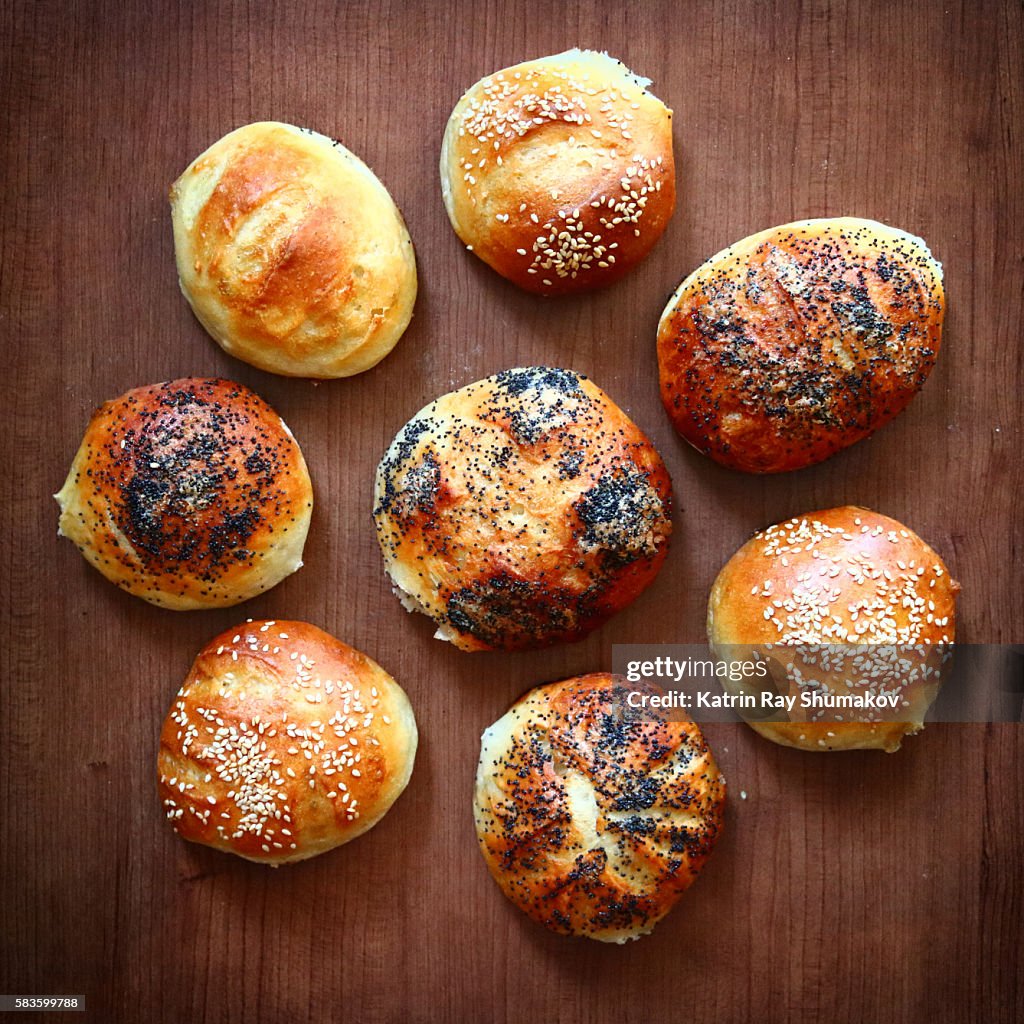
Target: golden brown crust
(522, 510)
(190, 494)
(292, 253)
(558, 172)
(594, 817)
(844, 576)
(283, 743)
(799, 341)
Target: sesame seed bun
(558, 172)
(521, 510)
(594, 818)
(846, 577)
(189, 494)
(283, 743)
(292, 253)
(799, 341)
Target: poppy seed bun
(799, 341)
(283, 743)
(521, 510)
(189, 494)
(291, 252)
(594, 817)
(558, 172)
(845, 576)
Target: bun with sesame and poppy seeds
(189, 494)
(292, 253)
(558, 173)
(283, 743)
(799, 341)
(593, 816)
(870, 609)
(522, 510)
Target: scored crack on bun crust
(844, 576)
(799, 341)
(592, 816)
(558, 172)
(189, 494)
(282, 743)
(521, 510)
(292, 253)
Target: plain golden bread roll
(190, 494)
(839, 580)
(522, 510)
(558, 172)
(283, 743)
(799, 341)
(592, 816)
(292, 253)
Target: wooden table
(858, 887)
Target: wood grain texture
(861, 887)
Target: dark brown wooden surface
(859, 887)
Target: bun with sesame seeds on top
(189, 494)
(799, 341)
(283, 743)
(292, 253)
(558, 172)
(850, 610)
(522, 510)
(593, 815)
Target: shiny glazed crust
(292, 253)
(592, 817)
(799, 341)
(521, 510)
(283, 743)
(190, 494)
(841, 576)
(558, 172)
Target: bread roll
(592, 816)
(799, 341)
(291, 252)
(283, 743)
(521, 510)
(843, 578)
(189, 494)
(558, 172)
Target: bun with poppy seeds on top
(521, 510)
(799, 341)
(594, 815)
(189, 494)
